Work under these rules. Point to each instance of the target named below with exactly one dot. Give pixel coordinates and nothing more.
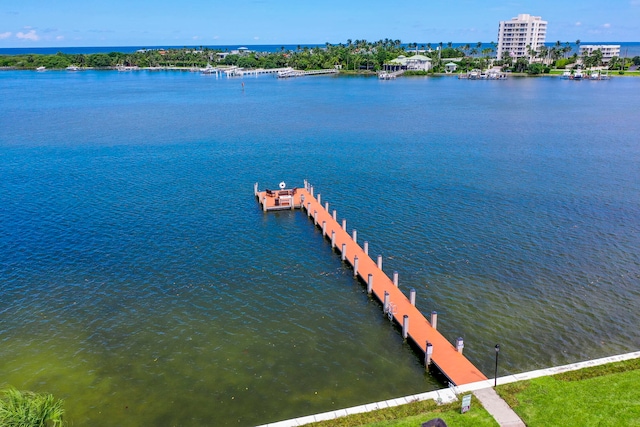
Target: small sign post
(466, 403)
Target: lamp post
(495, 381)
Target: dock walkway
(390, 75)
(453, 365)
(301, 73)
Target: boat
(385, 75)
(577, 75)
(41, 68)
(209, 69)
(597, 75)
(73, 68)
(566, 74)
(127, 67)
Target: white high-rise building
(522, 33)
(608, 50)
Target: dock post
(434, 319)
(333, 239)
(264, 204)
(459, 345)
(335, 214)
(354, 235)
(319, 199)
(344, 251)
(308, 208)
(395, 279)
(366, 247)
(370, 284)
(427, 355)
(412, 296)
(326, 206)
(306, 185)
(302, 200)
(405, 326)
(385, 306)
(311, 190)
(324, 228)
(344, 224)
(315, 217)
(380, 262)
(255, 189)
(355, 266)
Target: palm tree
(543, 51)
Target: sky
(71, 23)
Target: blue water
(141, 282)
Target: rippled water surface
(140, 281)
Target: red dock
(457, 368)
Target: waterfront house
(410, 63)
(450, 67)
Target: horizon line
(280, 44)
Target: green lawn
(607, 395)
(414, 414)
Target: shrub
(28, 409)
(535, 69)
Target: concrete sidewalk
(498, 408)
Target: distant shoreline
(632, 47)
(364, 73)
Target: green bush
(28, 409)
(535, 69)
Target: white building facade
(608, 50)
(522, 33)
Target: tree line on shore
(353, 56)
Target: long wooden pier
(447, 358)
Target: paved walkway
(483, 390)
(498, 408)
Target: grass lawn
(414, 414)
(607, 395)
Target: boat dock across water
(438, 351)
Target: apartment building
(608, 50)
(520, 34)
